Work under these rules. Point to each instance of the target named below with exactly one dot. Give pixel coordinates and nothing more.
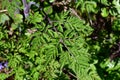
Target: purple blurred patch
(3, 65)
(6, 64)
(27, 7)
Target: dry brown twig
(3, 11)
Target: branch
(2, 11)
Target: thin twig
(75, 13)
(71, 53)
(69, 73)
(2, 11)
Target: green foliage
(11, 6)
(54, 42)
(3, 18)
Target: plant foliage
(59, 40)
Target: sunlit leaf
(104, 13)
(3, 18)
